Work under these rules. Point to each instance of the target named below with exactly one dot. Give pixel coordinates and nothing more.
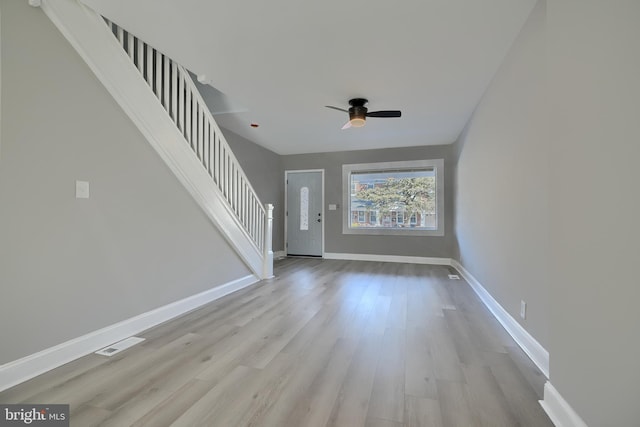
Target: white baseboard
(23, 369)
(388, 258)
(560, 412)
(538, 354)
(279, 254)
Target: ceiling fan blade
(389, 113)
(347, 125)
(336, 108)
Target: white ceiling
(279, 62)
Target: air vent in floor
(454, 277)
(119, 346)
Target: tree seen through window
(394, 199)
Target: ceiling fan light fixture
(357, 122)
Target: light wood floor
(325, 343)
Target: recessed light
(254, 125)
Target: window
(400, 198)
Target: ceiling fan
(358, 113)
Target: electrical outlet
(523, 309)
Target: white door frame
(286, 205)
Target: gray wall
(335, 241)
(502, 180)
(68, 266)
(594, 64)
(547, 206)
(264, 170)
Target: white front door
(304, 213)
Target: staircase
(162, 100)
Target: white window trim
(438, 167)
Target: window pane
(304, 208)
(402, 199)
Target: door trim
(286, 205)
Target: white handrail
(178, 94)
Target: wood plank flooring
(325, 343)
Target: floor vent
(119, 346)
(454, 277)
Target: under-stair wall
(77, 275)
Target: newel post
(267, 268)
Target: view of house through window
(393, 199)
(396, 198)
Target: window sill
(392, 232)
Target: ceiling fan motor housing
(358, 102)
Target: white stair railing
(177, 93)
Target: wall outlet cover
(82, 189)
